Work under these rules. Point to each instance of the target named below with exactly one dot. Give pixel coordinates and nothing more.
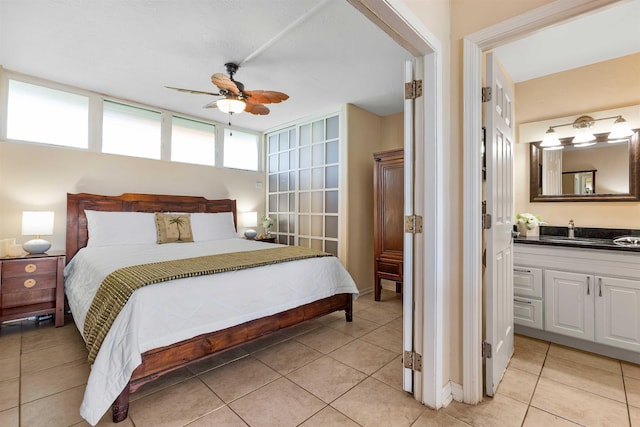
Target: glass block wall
(303, 180)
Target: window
(51, 113)
(131, 131)
(45, 115)
(303, 165)
(193, 142)
(240, 150)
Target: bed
(177, 331)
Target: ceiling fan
(236, 98)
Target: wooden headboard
(77, 233)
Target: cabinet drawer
(28, 282)
(390, 268)
(527, 281)
(24, 267)
(527, 312)
(28, 297)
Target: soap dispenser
(570, 228)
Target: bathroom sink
(628, 241)
(573, 240)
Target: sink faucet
(570, 227)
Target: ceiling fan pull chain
(230, 130)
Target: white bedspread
(164, 313)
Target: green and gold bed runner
(116, 289)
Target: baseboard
(593, 347)
(450, 392)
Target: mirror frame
(634, 175)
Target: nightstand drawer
(28, 267)
(27, 297)
(28, 282)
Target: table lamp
(250, 219)
(37, 224)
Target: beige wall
(367, 133)
(450, 21)
(37, 177)
(602, 86)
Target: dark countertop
(585, 238)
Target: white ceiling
(322, 53)
(605, 34)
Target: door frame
(403, 26)
(474, 45)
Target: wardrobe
(388, 222)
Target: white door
(618, 312)
(568, 304)
(499, 190)
(407, 279)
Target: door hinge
(486, 221)
(486, 350)
(413, 361)
(486, 94)
(413, 89)
(413, 224)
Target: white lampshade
(621, 129)
(583, 135)
(37, 224)
(550, 139)
(231, 105)
(249, 219)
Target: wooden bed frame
(160, 361)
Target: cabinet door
(569, 304)
(618, 312)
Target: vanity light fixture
(621, 129)
(551, 139)
(584, 136)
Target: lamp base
(250, 234)
(36, 246)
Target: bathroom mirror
(569, 174)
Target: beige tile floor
(322, 373)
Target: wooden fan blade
(213, 104)
(199, 92)
(257, 109)
(224, 83)
(266, 96)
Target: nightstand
(266, 239)
(32, 285)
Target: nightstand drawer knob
(30, 268)
(29, 283)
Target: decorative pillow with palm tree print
(173, 228)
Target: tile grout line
(626, 398)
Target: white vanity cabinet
(592, 296)
(527, 296)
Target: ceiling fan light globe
(231, 105)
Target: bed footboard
(160, 361)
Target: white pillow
(120, 228)
(212, 226)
